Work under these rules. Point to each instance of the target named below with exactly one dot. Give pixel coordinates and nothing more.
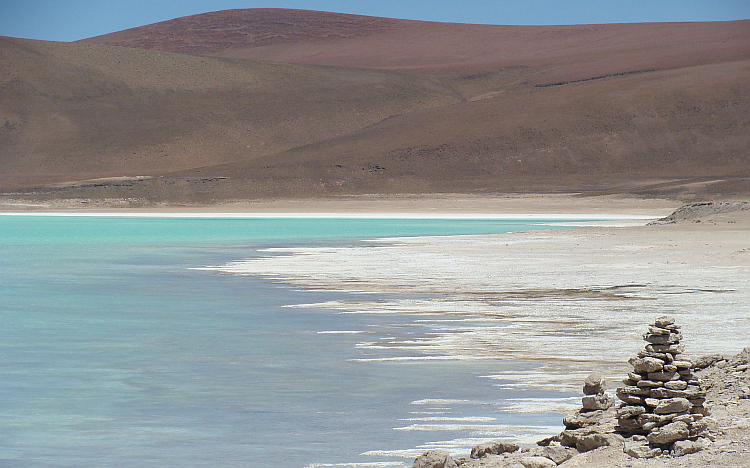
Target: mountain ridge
(343, 104)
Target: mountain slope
(72, 109)
(349, 104)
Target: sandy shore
(434, 204)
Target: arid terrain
(269, 103)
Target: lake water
(116, 349)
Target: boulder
(596, 440)
(493, 448)
(663, 339)
(594, 384)
(629, 425)
(645, 383)
(673, 405)
(684, 447)
(537, 462)
(670, 433)
(705, 361)
(646, 364)
(558, 453)
(598, 402)
(581, 418)
(663, 376)
(629, 411)
(676, 385)
(637, 450)
(677, 348)
(664, 321)
(658, 331)
(435, 459)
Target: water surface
(116, 351)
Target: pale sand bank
(574, 300)
(434, 204)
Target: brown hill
(359, 104)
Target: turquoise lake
(116, 351)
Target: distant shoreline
(446, 206)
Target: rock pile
(662, 411)
(663, 400)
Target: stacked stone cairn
(662, 399)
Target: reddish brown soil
(371, 105)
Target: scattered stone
(642, 451)
(558, 453)
(493, 448)
(598, 402)
(583, 418)
(705, 361)
(676, 385)
(537, 462)
(684, 447)
(596, 440)
(672, 405)
(435, 459)
(664, 321)
(630, 411)
(670, 433)
(594, 384)
(549, 440)
(646, 364)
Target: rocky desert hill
(269, 102)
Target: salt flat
(574, 300)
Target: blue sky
(68, 20)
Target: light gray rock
(663, 339)
(669, 433)
(649, 383)
(664, 321)
(682, 364)
(673, 405)
(596, 440)
(435, 459)
(594, 384)
(657, 331)
(581, 418)
(688, 418)
(629, 425)
(537, 462)
(646, 364)
(634, 377)
(705, 361)
(493, 448)
(663, 356)
(663, 376)
(676, 348)
(597, 402)
(637, 450)
(702, 426)
(676, 385)
(684, 447)
(629, 411)
(558, 453)
(633, 390)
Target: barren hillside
(268, 102)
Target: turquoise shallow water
(114, 351)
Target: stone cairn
(663, 400)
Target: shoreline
(437, 205)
